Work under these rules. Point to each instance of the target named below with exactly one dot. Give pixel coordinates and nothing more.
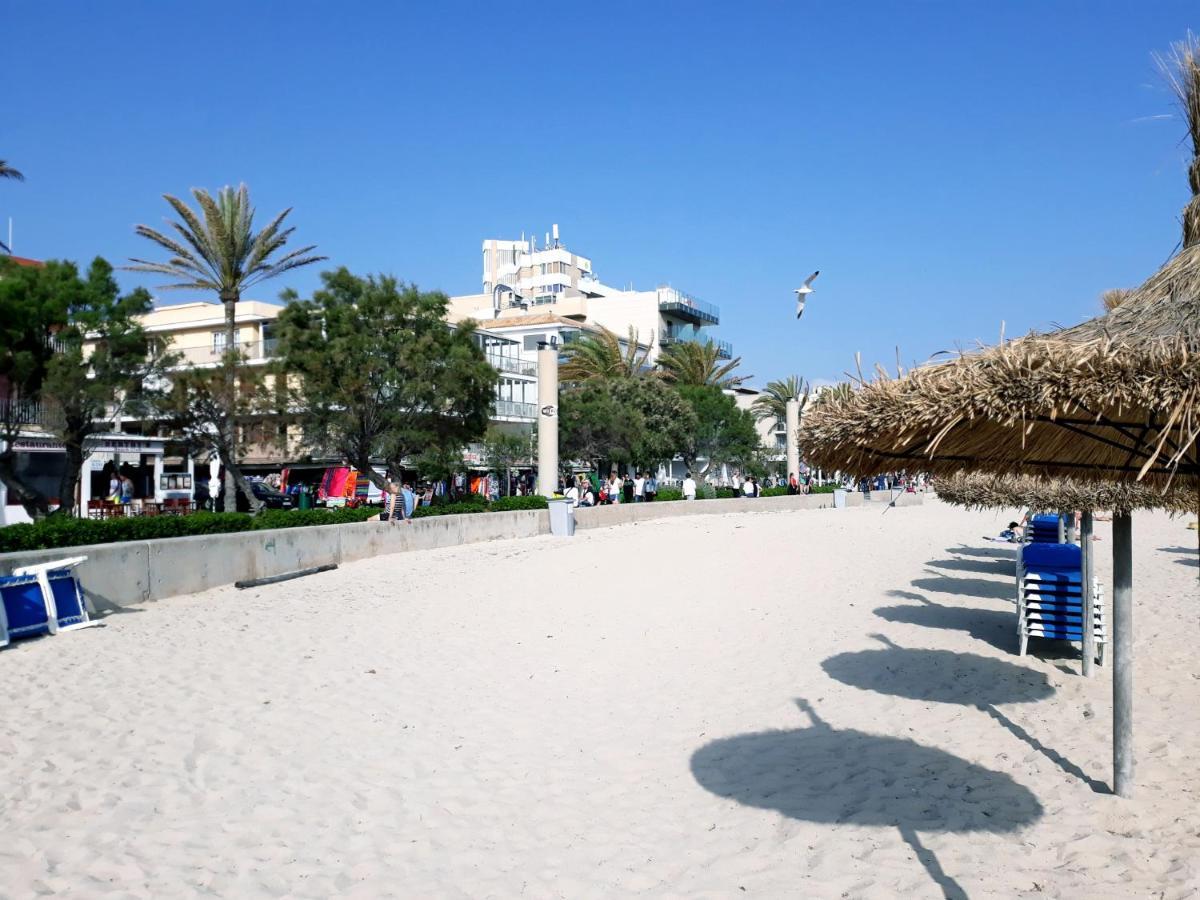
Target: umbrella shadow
(964, 679)
(971, 587)
(1188, 554)
(991, 626)
(836, 776)
(982, 566)
(1005, 551)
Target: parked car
(268, 496)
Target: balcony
(513, 364)
(23, 412)
(724, 348)
(686, 307)
(513, 409)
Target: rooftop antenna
(555, 227)
(547, 240)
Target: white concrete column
(85, 487)
(793, 438)
(547, 421)
(158, 471)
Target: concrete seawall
(119, 575)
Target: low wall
(624, 513)
(119, 575)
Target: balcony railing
(251, 350)
(724, 348)
(513, 364)
(23, 412)
(685, 306)
(513, 409)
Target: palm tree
(218, 250)
(772, 402)
(7, 171)
(688, 362)
(600, 355)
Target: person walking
(793, 484)
(639, 487)
(651, 487)
(626, 489)
(689, 487)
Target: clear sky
(947, 166)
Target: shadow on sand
(965, 679)
(1005, 567)
(1000, 551)
(1189, 555)
(971, 587)
(995, 627)
(836, 776)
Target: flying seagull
(803, 291)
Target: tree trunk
(229, 438)
(70, 478)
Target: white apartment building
(537, 294)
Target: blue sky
(948, 166)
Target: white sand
(593, 718)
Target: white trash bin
(562, 517)
(839, 498)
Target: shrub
(823, 489)
(57, 531)
(666, 494)
(474, 505)
(780, 491)
(504, 504)
(727, 493)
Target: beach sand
(807, 704)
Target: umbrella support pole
(1122, 638)
(1089, 600)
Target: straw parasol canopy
(1117, 397)
(981, 491)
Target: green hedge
(57, 531)
(666, 494)
(476, 504)
(505, 504)
(780, 491)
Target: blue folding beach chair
(43, 599)
(23, 608)
(1050, 596)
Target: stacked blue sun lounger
(42, 599)
(1044, 529)
(1050, 595)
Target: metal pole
(1122, 638)
(793, 438)
(1087, 551)
(547, 393)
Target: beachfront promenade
(814, 704)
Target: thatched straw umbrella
(1116, 398)
(976, 490)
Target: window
(218, 341)
(532, 341)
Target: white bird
(803, 291)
